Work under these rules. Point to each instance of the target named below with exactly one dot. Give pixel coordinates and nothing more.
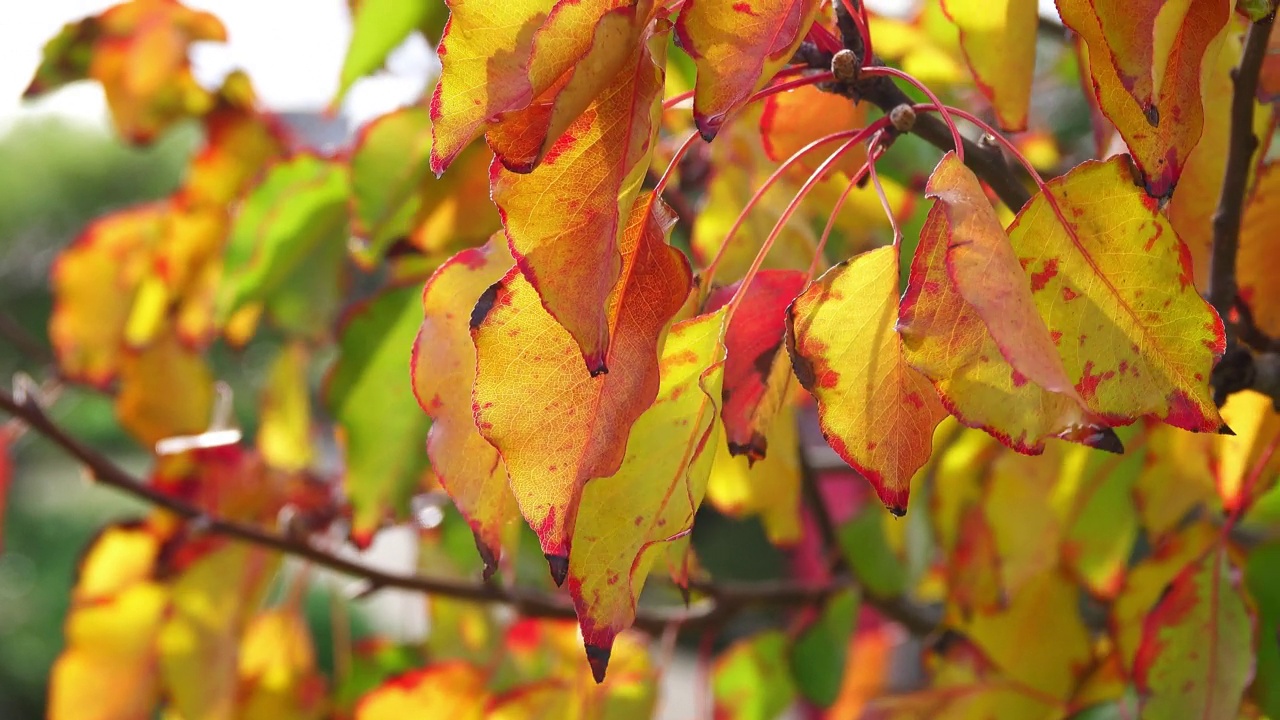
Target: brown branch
(1237, 370)
(724, 600)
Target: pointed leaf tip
(1225, 429)
(598, 657)
(559, 566)
(1103, 438)
(488, 556)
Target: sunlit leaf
(1100, 526)
(999, 41)
(166, 389)
(444, 370)
(1247, 463)
(751, 681)
(454, 690)
(377, 28)
(284, 428)
(846, 352)
(624, 519)
(370, 394)
(769, 488)
(1256, 263)
(738, 47)
(546, 656)
(592, 174)
(1173, 459)
(278, 675)
(1197, 644)
(1144, 59)
(556, 425)
(791, 120)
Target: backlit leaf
(277, 667)
(377, 28)
(284, 428)
(166, 389)
(592, 173)
(1256, 263)
(751, 681)
(791, 120)
(1134, 335)
(557, 426)
(876, 412)
(444, 370)
(1145, 59)
(454, 690)
(738, 47)
(1197, 643)
(1173, 459)
(999, 41)
(1247, 464)
(625, 519)
(370, 396)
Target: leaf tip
(896, 510)
(1225, 429)
(596, 364)
(559, 567)
(755, 449)
(488, 557)
(598, 657)
(1103, 438)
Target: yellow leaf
(284, 426)
(452, 690)
(999, 41)
(769, 488)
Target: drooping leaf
(625, 519)
(284, 427)
(371, 397)
(964, 254)
(769, 488)
(444, 371)
(557, 426)
(1132, 332)
(820, 653)
(377, 28)
(452, 689)
(294, 218)
(999, 41)
(751, 681)
(592, 175)
(1197, 644)
(1145, 65)
(876, 412)
(166, 389)
(1173, 459)
(738, 47)
(1018, 502)
(1256, 262)
(1246, 463)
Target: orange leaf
(166, 389)
(564, 220)
(876, 412)
(277, 667)
(793, 119)
(444, 370)
(557, 426)
(1145, 60)
(454, 690)
(625, 519)
(999, 41)
(1134, 335)
(738, 46)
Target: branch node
(845, 67)
(903, 118)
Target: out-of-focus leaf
(819, 654)
(284, 428)
(999, 41)
(1173, 459)
(1197, 644)
(751, 680)
(371, 397)
(556, 425)
(738, 47)
(454, 690)
(1100, 524)
(6, 478)
(378, 27)
(1018, 504)
(592, 174)
(66, 57)
(1247, 461)
(845, 351)
(1257, 261)
(1262, 573)
(166, 389)
(95, 280)
(277, 667)
(444, 371)
(769, 488)
(625, 519)
(756, 373)
(865, 547)
(927, 47)
(791, 120)
(1145, 584)
(1145, 67)
(389, 164)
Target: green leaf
(1262, 576)
(862, 539)
(369, 393)
(1255, 10)
(297, 212)
(819, 654)
(388, 168)
(66, 57)
(751, 680)
(379, 27)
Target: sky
(292, 49)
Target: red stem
(943, 110)
(675, 160)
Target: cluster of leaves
(554, 347)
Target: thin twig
(723, 599)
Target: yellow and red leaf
(999, 41)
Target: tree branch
(723, 600)
(1238, 369)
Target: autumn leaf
(1173, 458)
(1245, 463)
(1146, 71)
(284, 427)
(1134, 335)
(370, 395)
(1256, 260)
(453, 689)
(999, 41)
(444, 370)
(769, 488)
(555, 424)
(738, 47)
(624, 519)
(791, 120)
(592, 174)
(377, 28)
(876, 412)
(750, 680)
(964, 272)
(1197, 644)
(277, 670)
(166, 389)
(94, 283)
